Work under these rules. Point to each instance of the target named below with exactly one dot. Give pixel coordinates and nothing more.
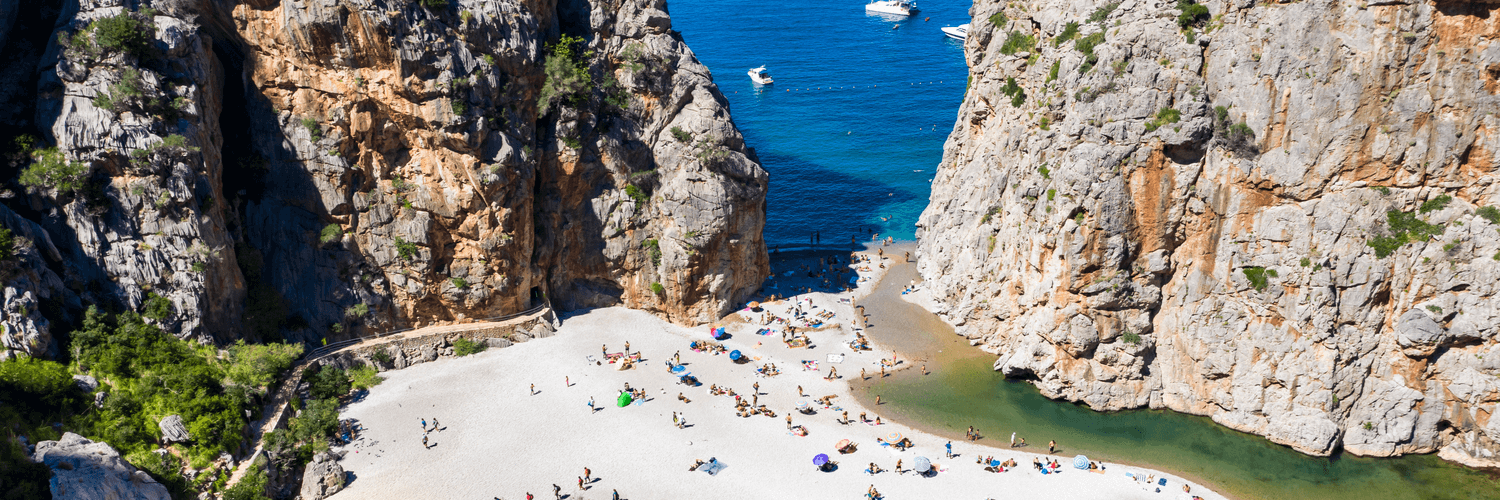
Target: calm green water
(964, 390)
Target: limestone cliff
(1273, 214)
(315, 169)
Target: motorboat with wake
(960, 32)
(761, 76)
(896, 7)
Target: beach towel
(713, 468)
(809, 365)
(835, 358)
(1161, 482)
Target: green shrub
(682, 136)
(1045, 123)
(566, 73)
(1163, 117)
(1046, 173)
(1016, 93)
(157, 307)
(21, 478)
(434, 4)
(1052, 73)
(459, 282)
(1306, 262)
(405, 250)
(357, 310)
(458, 105)
(465, 347)
(1438, 203)
(364, 377)
(636, 194)
(7, 245)
(1051, 194)
(1016, 42)
(1404, 228)
(656, 288)
(328, 383)
(1257, 277)
(319, 419)
(381, 355)
(653, 248)
(999, 20)
(52, 170)
(127, 31)
(1384, 191)
(314, 129)
(1191, 13)
(1086, 46)
(1102, 13)
(331, 233)
(1489, 213)
(1131, 338)
(1068, 32)
(1435, 309)
(257, 365)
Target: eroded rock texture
(317, 169)
(1184, 220)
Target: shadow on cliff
(844, 201)
(296, 289)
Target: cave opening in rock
(244, 169)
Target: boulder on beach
(86, 470)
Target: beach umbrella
(821, 459)
(801, 405)
(994, 463)
(624, 399)
(735, 355)
(923, 464)
(678, 368)
(754, 305)
(1081, 462)
(893, 438)
(842, 444)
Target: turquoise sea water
(857, 106)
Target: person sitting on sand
(873, 494)
(874, 469)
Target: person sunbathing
(696, 464)
(874, 469)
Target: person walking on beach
(424, 425)
(567, 382)
(424, 443)
(627, 348)
(799, 391)
(588, 475)
(557, 491)
(788, 422)
(592, 408)
(756, 386)
(615, 495)
(1012, 440)
(862, 375)
(580, 483)
(434, 423)
(1051, 446)
(604, 349)
(533, 389)
(1023, 442)
(949, 447)
(877, 400)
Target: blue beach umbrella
(821, 459)
(735, 355)
(1081, 462)
(923, 465)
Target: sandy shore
(498, 439)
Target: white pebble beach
(498, 440)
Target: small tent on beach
(624, 400)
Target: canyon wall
(312, 170)
(1278, 215)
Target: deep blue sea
(853, 128)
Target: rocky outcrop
(313, 170)
(172, 430)
(1273, 214)
(322, 477)
(86, 470)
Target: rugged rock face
(322, 477)
(315, 169)
(1275, 217)
(86, 470)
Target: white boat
(960, 32)
(761, 76)
(897, 7)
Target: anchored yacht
(761, 76)
(897, 7)
(960, 32)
